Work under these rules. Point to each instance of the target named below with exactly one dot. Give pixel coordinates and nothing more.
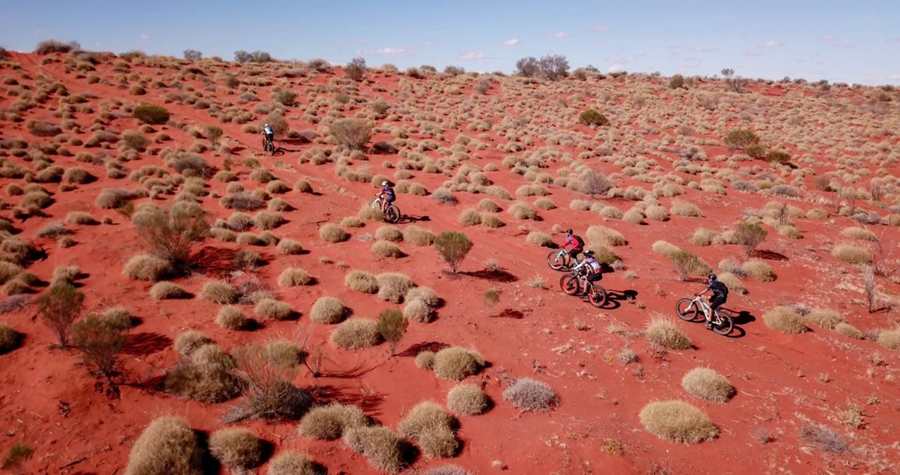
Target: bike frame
(705, 308)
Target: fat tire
(689, 312)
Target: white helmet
(384, 183)
(266, 125)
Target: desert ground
(223, 304)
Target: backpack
(720, 288)
(579, 241)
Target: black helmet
(711, 277)
(589, 253)
(569, 232)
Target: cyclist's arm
(580, 265)
(703, 292)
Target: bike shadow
(739, 318)
(614, 298)
(407, 219)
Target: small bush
(333, 233)
(469, 217)
(362, 281)
(417, 236)
(758, 269)
(151, 114)
(592, 117)
(851, 254)
(890, 339)
(59, 308)
(329, 310)
(664, 332)
(443, 195)
(432, 429)
(393, 287)
(523, 211)
(167, 290)
(750, 235)
(269, 308)
(391, 326)
(538, 238)
(849, 330)
(785, 320)
(605, 236)
(232, 318)
(292, 463)
(453, 247)
(166, 446)
(707, 384)
(425, 360)
(740, 139)
(9, 339)
(218, 291)
(236, 448)
(55, 46)
(147, 267)
(467, 400)
(170, 235)
(384, 449)
(332, 421)
(190, 341)
(386, 249)
(294, 276)
(828, 319)
(688, 264)
(389, 233)
(351, 133)
(80, 217)
(678, 422)
(100, 340)
(531, 395)
(455, 364)
(356, 334)
(665, 248)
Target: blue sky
(847, 41)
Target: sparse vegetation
(707, 384)
(785, 320)
(678, 422)
(664, 332)
(453, 247)
(531, 395)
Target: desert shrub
(739, 139)
(332, 421)
(425, 360)
(539, 239)
(333, 233)
(678, 422)
(78, 175)
(294, 276)
(758, 269)
(849, 330)
(417, 236)
(368, 213)
(688, 264)
(170, 235)
(388, 233)
(785, 320)
(890, 339)
(351, 133)
(80, 217)
(269, 395)
(455, 364)
(232, 318)
(392, 287)
(432, 428)
(242, 201)
(100, 340)
(750, 235)
(218, 291)
(443, 195)
(703, 237)
(594, 183)
(851, 254)
(665, 248)
(167, 446)
(329, 310)
(823, 438)
(732, 282)
(423, 294)
(356, 334)
(303, 186)
(664, 332)
(236, 448)
(292, 463)
(531, 395)
(418, 311)
(605, 236)
(391, 326)
(859, 233)
(36, 199)
(523, 211)
(289, 247)
(634, 216)
(9, 339)
(270, 308)
(151, 114)
(453, 247)
(55, 46)
(708, 384)
(676, 82)
(361, 281)
(467, 400)
(489, 205)
(778, 156)
(167, 290)
(545, 204)
(825, 318)
(386, 249)
(284, 96)
(592, 117)
(469, 217)
(186, 343)
(383, 449)
(59, 308)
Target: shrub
(356, 334)
(859, 233)
(828, 319)
(467, 400)
(703, 237)
(418, 311)
(80, 217)
(59, 308)
(469, 217)
(823, 438)
(294, 276)
(489, 205)
(455, 364)
(292, 463)
(242, 201)
(384, 449)
(232, 318)
(758, 269)
(432, 429)
(443, 195)
(453, 247)
(362, 281)
(332, 421)
(605, 236)
(171, 235)
(151, 114)
(678, 422)
(417, 236)
(388, 233)
(531, 395)
(351, 133)
(386, 249)
(849, 330)
(269, 308)
(676, 82)
(750, 235)
(236, 448)
(740, 139)
(391, 326)
(9, 339)
(166, 446)
(55, 46)
(539, 239)
(329, 310)
(688, 264)
(218, 291)
(665, 248)
(425, 360)
(269, 395)
(190, 341)
(785, 320)
(890, 339)
(592, 117)
(664, 332)
(392, 287)
(523, 211)
(167, 290)
(100, 340)
(778, 156)
(708, 384)
(851, 254)
(333, 233)
(78, 175)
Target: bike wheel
(393, 214)
(724, 326)
(556, 263)
(686, 310)
(569, 284)
(597, 296)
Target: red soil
(49, 399)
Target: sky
(839, 41)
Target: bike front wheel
(687, 310)
(598, 296)
(724, 326)
(557, 262)
(393, 214)
(569, 284)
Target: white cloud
(772, 44)
(389, 50)
(616, 68)
(145, 37)
(600, 28)
(894, 77)
(511, 42)
(560, 35)
(472, 55)
(703, 49)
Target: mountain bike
(392, 214)
(690, 309)
(561, 260)
(268, 145)
(576, 283)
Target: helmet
(569, 231)
(589, 253)
(711, 277)
(266, 125)
(384, 183)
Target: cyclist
(593, 269)
(575, 241)
(719, 296)
(269, 133)
(386, 195)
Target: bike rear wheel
(725, 325)
(557, 263)
(687, 310)
(393, 214)
(597, 296)
(569, 284)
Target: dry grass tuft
(538, 238)
(890, 339)
(432, 428)
(293, 463)
(232, 318)
(389, 233)
(9, 339)
(236, 448)
(859, 233)
(283, 354)
(392, 287)
(167, 446)
(678, 422)
(270, 308)
(289, 247)
(384, 449)
(425, 360)
(386, 249)
(665, 248)
(418, 236)
(190, 341)
(681, 208)
(333, 233)
(785, 320)
(147, 267)
(362, 281)
(758, 269)
(531, 395)
(665, 332)
(356, 334)
(418, 311)
(605, 236)
(167, 290)
(218, 291)
(851, 254)
(849, 330)
(332, 421)
(469, 217)
(708, 384)
(467, 400)
(294, 276)
(328, 311)
(456, 363)
(828, 319)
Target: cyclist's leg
(714, 304)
